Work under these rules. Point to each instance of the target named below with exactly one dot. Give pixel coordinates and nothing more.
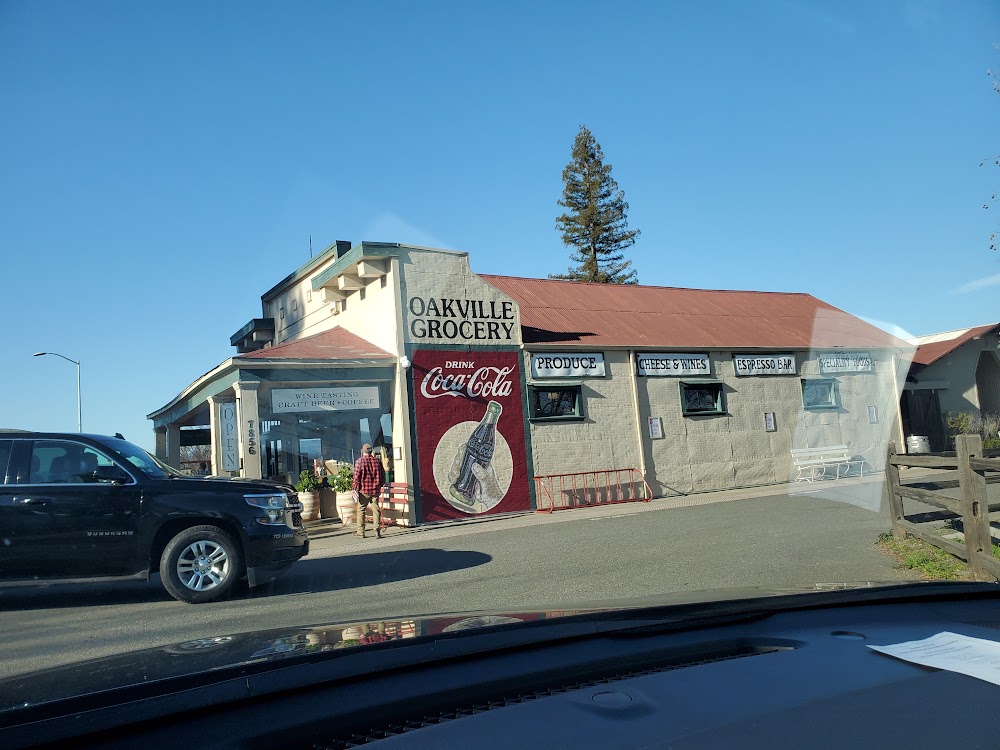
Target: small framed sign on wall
(770, 424)
(872, 414)
(655, 428)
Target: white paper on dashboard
(975, 657)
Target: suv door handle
(35, 501)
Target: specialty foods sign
(668, 365)
(296, 400)
(764, 364)
(834, 362)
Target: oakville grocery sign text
(461, 319)
(290, 400)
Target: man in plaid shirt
(369, 476)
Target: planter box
(347, 508)
(327, 503)
(310, 506)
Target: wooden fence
(972, 506)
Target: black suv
(79, 508)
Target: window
(556, 402)
(5, 449)
(819, 394)
(58, 462)
(701, 398)
(141, 459)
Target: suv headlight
(274, 507)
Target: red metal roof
(933, 351)
(333, 344)
(584, 314)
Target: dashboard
(802, 678)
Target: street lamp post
(79, 406)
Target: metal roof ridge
(919, 340)
(641, 286)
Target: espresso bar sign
(834, 362)
(565, 365)
(666, 365)
(461, 319)
(297, 400)
(764, 364)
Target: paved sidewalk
(329, 537)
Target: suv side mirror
(111, 474)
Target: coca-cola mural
(470, 433)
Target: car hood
(234, 484)
(205, 660)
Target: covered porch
(307, 404)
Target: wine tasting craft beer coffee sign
(470, 433)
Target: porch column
(160, 448)
(247, 412)
(174, 445)
(214, 429)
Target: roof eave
(216, 372)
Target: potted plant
(307, 487)
(341, 483)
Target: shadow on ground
(305, 576)
(369, 569)
(332, 528)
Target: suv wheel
(201, 564)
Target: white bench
(813, 463)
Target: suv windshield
(140, 459)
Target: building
(475, 385)
(951, 373)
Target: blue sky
(163, 164)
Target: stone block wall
(446, 303)
(605, 439)
(711, 452)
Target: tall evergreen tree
(595, 223)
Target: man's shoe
(378, 533)
(360, 534)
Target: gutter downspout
(897, 393)
(634, 379)
(401, 398)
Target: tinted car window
(5, 449)
(64, 462)
(138, 458)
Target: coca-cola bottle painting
(476, 480)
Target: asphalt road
(541, 562)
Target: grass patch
(925, 560)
